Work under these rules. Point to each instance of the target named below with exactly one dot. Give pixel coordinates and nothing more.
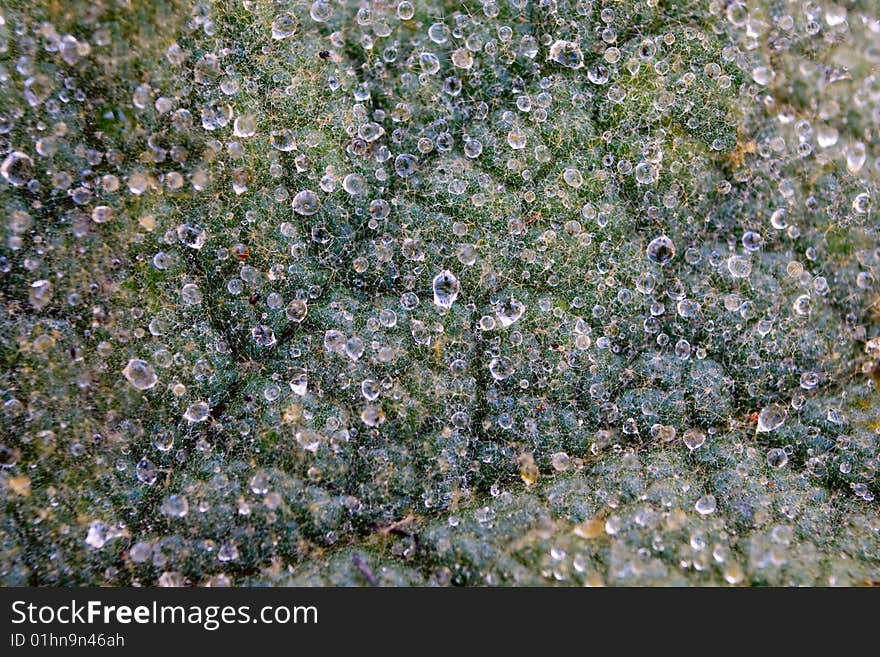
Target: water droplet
(473, 148)
(40, 294)
(320, 11)
(190, 294)
(282, 140)
(826, 136)
(192, 236)
(861, 203)
(146, 472)
(284, 25)
(446, 288)
(163, 441)
(779, 219)
(771, 418)
(296, 310)
(560, 461)
(306, 203)
(405, 165)
(598, 73)
(263, 335)
(405, 10)
(462, 58)
(197, 412)
(706, 505)
(98, 534)
(802, 305)
(509, 311)
(245, 126)
(762, 75)
(739, 266)
(370, 131)
(516, 139)
(102, 214)
(354, 348)
(354, 183)
(573, 178)
(661, 250)
(17, 168)
(809, 380)
(140, 374)
(856, 155)
(567, 53)
(693, 439)
(299, 382)
(500, 368)
(752, 241)
(645, 173)
(372, 416)
(175, 506)
(777, 458)
(370, 389)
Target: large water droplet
(146, 472)
(306, 203)
(567, 53)
(175, 506)
(17, 168)
(661, 250)
(284, 26)
(777, 458)
(197, 412)
(771, 417)
(500, 368)
(706, 505)
(693, 439)
(509, 311)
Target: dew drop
(284, 26)
(197, 412)
(645, 173)
(739, 266)
(40, 294)
(706, 505)
(509, 311)
(140, 374)
(661, 250)
(97, 535)
(446, 288)
(777, 458)
(500, 368)
(771, 418)
(282, 140)
(245, 126)
(296, 310)
(190, 294)
(693, 439)
(567, 54)
(17, 168)
(146, 472)
(306, 203)
(175, 506)
(299, 382)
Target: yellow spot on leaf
(590, 529)
(21, 486)
(528, 470)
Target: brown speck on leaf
(364, 569)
